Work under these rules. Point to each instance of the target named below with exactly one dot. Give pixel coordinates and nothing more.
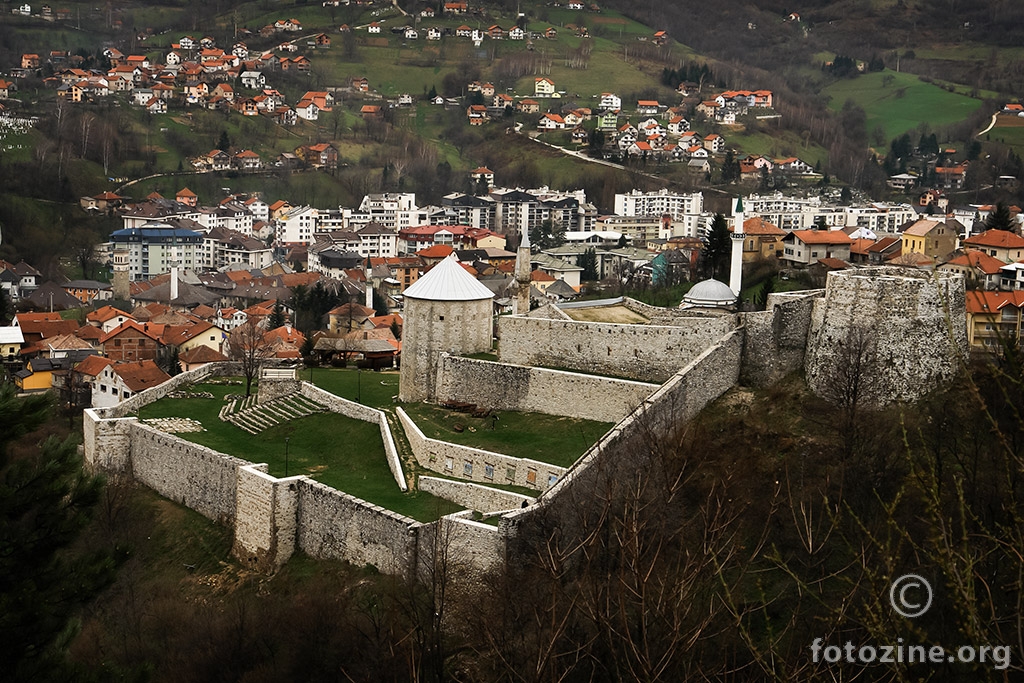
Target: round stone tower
(446, 310)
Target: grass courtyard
(547, 438)
(341, 452)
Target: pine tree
(716, 253)
(46, 499)
(1001, 219)
(277, 316)
(588, 262)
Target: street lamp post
(359, 385)
(286, 440)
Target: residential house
(516, 33)
(761, 239)
(648, 107)
(11, 341)
(994, 319)
(714, 143)
(321, 155)
(107, 318)
(551, 122)
(132, 341)
(978, 268)
(253, 80)
(1006, 246)
(934, 239)
(528, 106)
(120, 381)
(88, 291)
(804, 247)
(374, 27)
(247, 160)
(610, 101)
(543, 87)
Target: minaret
(174, 282)
(369, 283)
(736, 267)
(521, 303)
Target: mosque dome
(710, 293)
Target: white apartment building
(392, 210)
(638, 203)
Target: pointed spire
(525, 242)
(739, 204)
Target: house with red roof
(978, 268)
(120, 381)
(993, 318)
(133, 341)
(804, 247)
(1004, 245)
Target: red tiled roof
(141, 375)
(999, 239)
(990, 302)
(93, 365)
(822, 236)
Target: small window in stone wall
(510, 473)
(552, 478)
(489, 471)
(531, 476)
(448, 464)
(440, 317)
(467, 469)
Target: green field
(901, 105)
(341, 452)
(776, 144)
(556, 440)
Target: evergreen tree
(46, 499)
(276, 316)
(718, 249)
(6, 308)
(224, 143)
(588, 262)
(1001, 219)
(623, 242)
(380, 305)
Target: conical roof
(448, 281)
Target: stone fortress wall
(647, 353)
(913, 324)
(506, 386)
(920, 325)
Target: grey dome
(709, 294)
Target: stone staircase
(245, 413)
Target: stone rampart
(195, 476)
(266, 518)
(503, 386)
(905, 329)
(358, 411)
(459, 546)
(775, 342)
(106, 441)
(623, 454)
(144, 398)
(649, 353)
(473, 496)
(474, 464)
(335, 525)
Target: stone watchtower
(905, 329)
(446, 310)
(121, 281)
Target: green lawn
(547, 438)
(341, 452)
(777, 144)
(1011, 136)
(901, 105)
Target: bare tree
(251, 347)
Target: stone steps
(255, 417)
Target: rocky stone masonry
(912, 322)
(648, 353)
(175, 425)
(254, 417)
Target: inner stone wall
(503, 386)
(648, 353)
(775, 340)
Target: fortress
(649, 377)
